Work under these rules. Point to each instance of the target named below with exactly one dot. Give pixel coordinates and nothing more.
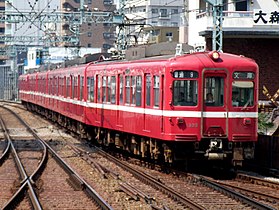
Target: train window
(54, 86)
(109, 89)
(185, 93)
(104, 88)
(90, 89)
(113, 89)
(72, 85)
(68, 86)
(242, 93)
(138, 90)
(49, 86)
(121, 86)
(156, 86)
(147, 90)
(214, 91)
(127, 89)
(99, 87)
(81, 88)
(57, 86)
(61, 86)
(133, 87)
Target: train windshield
(214, 91)
(185, 93)
(242, 93)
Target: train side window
(147, 90)
(109, 89)
(57, 86)
(68, 85)
(55, 90)
(156, 90)
(90, 89)
(55, 83)
(185, 93)
(138, 90)
(81, 88)
(72, 87)
(49, 90)
(133, 90)
(121, 86)
(99, 78)
(113, 89)
(127, 89)
(62, 86)
(51, 85)
(104, 88)
(76, 87)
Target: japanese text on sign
(262, 17)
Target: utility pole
(121, 41)
(217, 35)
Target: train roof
(193, 60)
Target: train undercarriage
(214, 150)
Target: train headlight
(214, 55)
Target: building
(250, 28)
(37, 56)
(19, 35)
(91, 35)
(152, 14)
(3, 56)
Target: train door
(215, 106)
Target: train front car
(211, 107)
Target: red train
(194, 106)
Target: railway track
(49, 178)
(123, 188)
(263, 190)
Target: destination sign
(185, 74)
(243, 75)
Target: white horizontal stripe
(148, 111)
(243, 114)
(214, 114)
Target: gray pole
(217, 33)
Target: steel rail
(73, 175)
(79, 181)
(153, 182)
(44, 159)
(25, 183)
(234, 194)
(7, 149)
